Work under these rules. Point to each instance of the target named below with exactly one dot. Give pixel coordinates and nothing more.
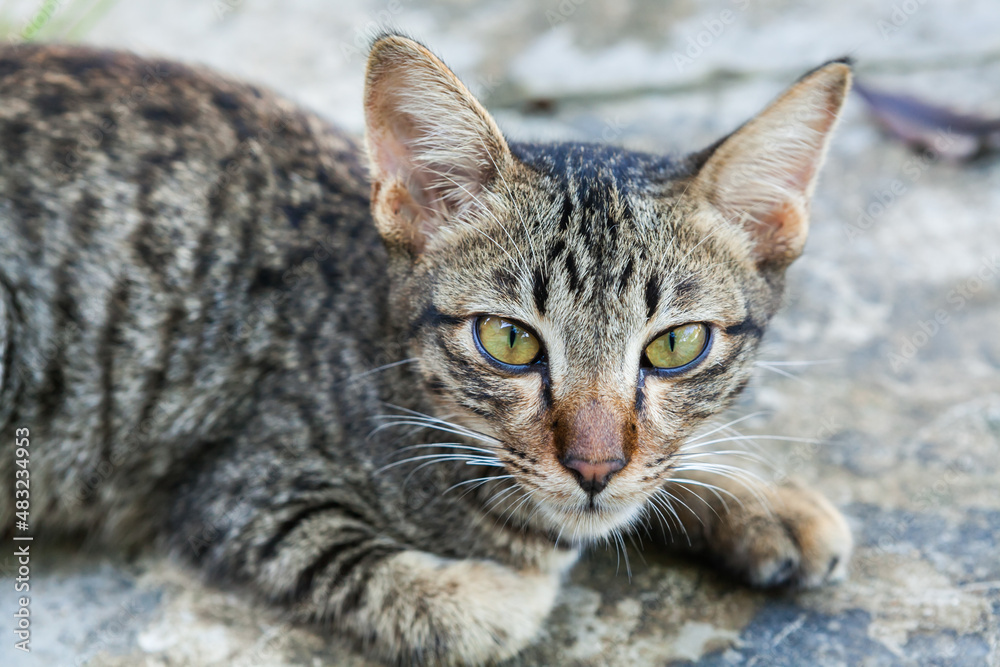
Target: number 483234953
(22, 484)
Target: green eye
(678, 347)
(507, 342)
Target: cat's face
(586, 308)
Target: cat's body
(200, 324)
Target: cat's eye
(678, 347)
(507, 341)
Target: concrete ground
(906, 410)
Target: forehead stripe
(652, 295)
(540, 290)
(432, 317)
(747, 327)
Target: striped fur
(230, 339)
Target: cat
(392, 389)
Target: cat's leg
(325, 557)
(415, 607)
(766, 535)
(410, 606)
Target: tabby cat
(394, 390)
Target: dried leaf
(930, 127)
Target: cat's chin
(587, 523)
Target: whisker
(485, 209)
(715, 490)
(527, 496)
(624, 550)
(384, 367)
(499, 496)
(670, 499)
(781, 438)
(448, 445)
(510, 502)
(415, 413)
(469, 460)
(726, 425)
(510, 194)
(664, 524)
(438, 427)
(725, 470)
(738, 475)
(430, 463)
(558, 535)
(749, 441)
(798, 363)
(724, 452)
(786, 374)
(419, 416)
(534, 513)
(607, 543)
(651, 497)
(632, 538)
(481, 481)
(659, 503)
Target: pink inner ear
(390, 154)
(785, 221)
(393, 133)
(395, 158)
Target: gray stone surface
(908, 422)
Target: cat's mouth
(566, 515)
(589, 520)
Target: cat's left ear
(762, 176)
(431, 145)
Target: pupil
(513, 336)
(672, 340)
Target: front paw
(786, 535)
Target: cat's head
(586, 306)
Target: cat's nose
(593, 477)
(593, 441)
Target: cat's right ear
(432, 148)
(762, 176)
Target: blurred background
(886, 357)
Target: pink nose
(593, 477)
